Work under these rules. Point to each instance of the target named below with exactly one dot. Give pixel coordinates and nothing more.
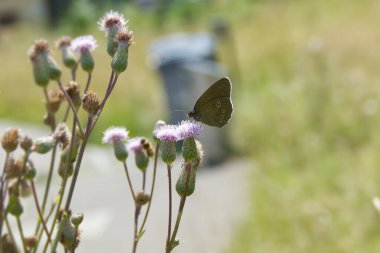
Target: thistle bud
(68, 56)
(53, 68)
(8, 244)
(31, 242)
(86, 61)
(30, 172)
(38, 55)
(26, 143)
(43, 145)
(10, 139)
(14, 206)
(120, 151)
(77, 219)
(120, 58)
(73, 91)
(185, 185)
(69, 233)
(55, 98)
(65, 170)
(168, 152)
(25, 189)
(142, 198)
(189, 149)
(91, 103)
(141, 160)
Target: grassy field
(306, 112)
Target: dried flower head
(83, 43)
(125, 36)
(115, 134)
(91, 103)
(73, 91)
(26, 143)
(189, 129)
(55, 97)
(10, 139)
(167, 133)
(110, 20)
(62, 135)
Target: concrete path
(102, 194)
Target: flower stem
(88, 82)
(21, 234)
(2, 196)
(181, 207)
(170, 207)
(135, 238)
(152, 188)
(39, 210)
(129, 181)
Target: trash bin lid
(181, 47)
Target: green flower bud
(54, 69)
(142, 160)
(65, 154)
(31, 171)
(65, 169)
(68, 56)
(111, 40)
(181, 187)
(142, 198)
(69, 233)
(44, 144)
(168, 152)
(41, 70)
(120, 58)
(189, 149)
(77, 219)
(14, 206)
(120, 151)
(86, 61)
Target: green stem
(2, 197)
(181, 207)
(152, 188)
(9, 229)
(129, 181)
(170, 208)
(135, 238)
(21, 234)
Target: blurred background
(306, 89)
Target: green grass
(306, 112)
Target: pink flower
(115, 134)
(189, 128)
(84, 43)
(112, 19)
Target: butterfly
(214, 107)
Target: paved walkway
(102, 194)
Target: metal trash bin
(186, 63)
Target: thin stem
(135, 238)
(74, 71)
(78, 164)
(64, 180)
(21, 234)
(46, 220)
(169, 169)
(181, 207)
(73, 109)
(52, 126)
(66, 115)
(9, 229)
(88, 82)
(2, 196)
(39, 210)
(129, 181)
(151, 189)
(144, 180)
(47, 187)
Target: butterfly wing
(221, 88)
(214, 107)
(216, 112)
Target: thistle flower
(168, 135)
(117, 136)
(84, 45)
(187, 129)
(111, 24)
